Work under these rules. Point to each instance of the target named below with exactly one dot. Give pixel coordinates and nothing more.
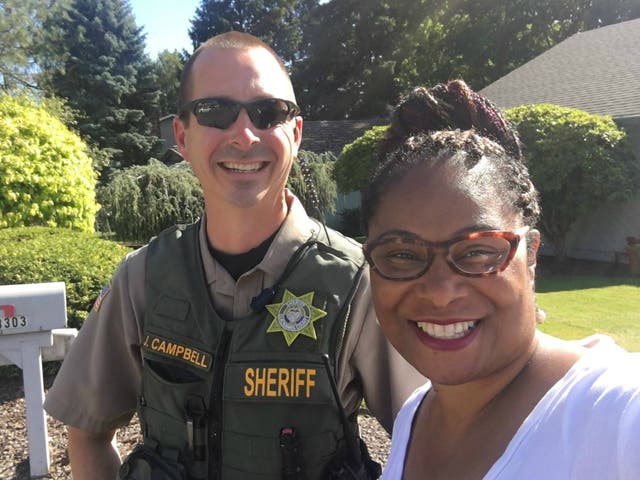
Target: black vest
(250, 398)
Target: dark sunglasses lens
(216, 113)
(267, 113)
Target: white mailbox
(28, 314)
(35, 307)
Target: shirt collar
(296, 229)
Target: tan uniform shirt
(99, 382)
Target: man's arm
(97, 386)
(93, 456)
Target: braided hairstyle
(452, 123)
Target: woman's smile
(453, 336)
(449, 331)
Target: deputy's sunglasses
(223, 112)
(405, 256)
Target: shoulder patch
(103, 293)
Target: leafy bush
(46, 176)
(356, 162)
(40, 254)
(141, 201)
(577, 161)
(321, 167)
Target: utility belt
(146, 462)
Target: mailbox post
(28, 314)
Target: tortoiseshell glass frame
(431, 247)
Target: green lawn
(578, 306)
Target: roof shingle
(597, 71)
(332, 135)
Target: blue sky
(166, 23)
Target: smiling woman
(450, 216)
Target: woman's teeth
(447, 332)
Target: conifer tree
(277, 22)
(96, 62)
(20, 36)
(167, 68)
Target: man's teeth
(447, 332)
(242, 167)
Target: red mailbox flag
(9, 310)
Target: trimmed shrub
(357, 161)
(577, 161)
(46, 176)
(321, 168)
(141, 201)
(82, 260)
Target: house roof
(321, 136)
(597, 71)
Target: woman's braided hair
(450, 121)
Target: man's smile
(243, 166)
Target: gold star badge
(294, 316)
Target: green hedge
(357, 161)
(577, 160)
(83, 261)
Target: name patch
(279, 382)
(178, 351)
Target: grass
(578, 306)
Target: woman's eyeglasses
(223, 112)
(404, 256)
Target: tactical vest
(250, 398)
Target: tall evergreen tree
(96, 61)
(20, 34)
(167, 68)
(277, 22)
(352, 49)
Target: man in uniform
(246, 342)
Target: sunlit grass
(578, 306)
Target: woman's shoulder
(606, 378)
(602, 381)
(586, 360)
(614, 367)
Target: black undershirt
(240, 263)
